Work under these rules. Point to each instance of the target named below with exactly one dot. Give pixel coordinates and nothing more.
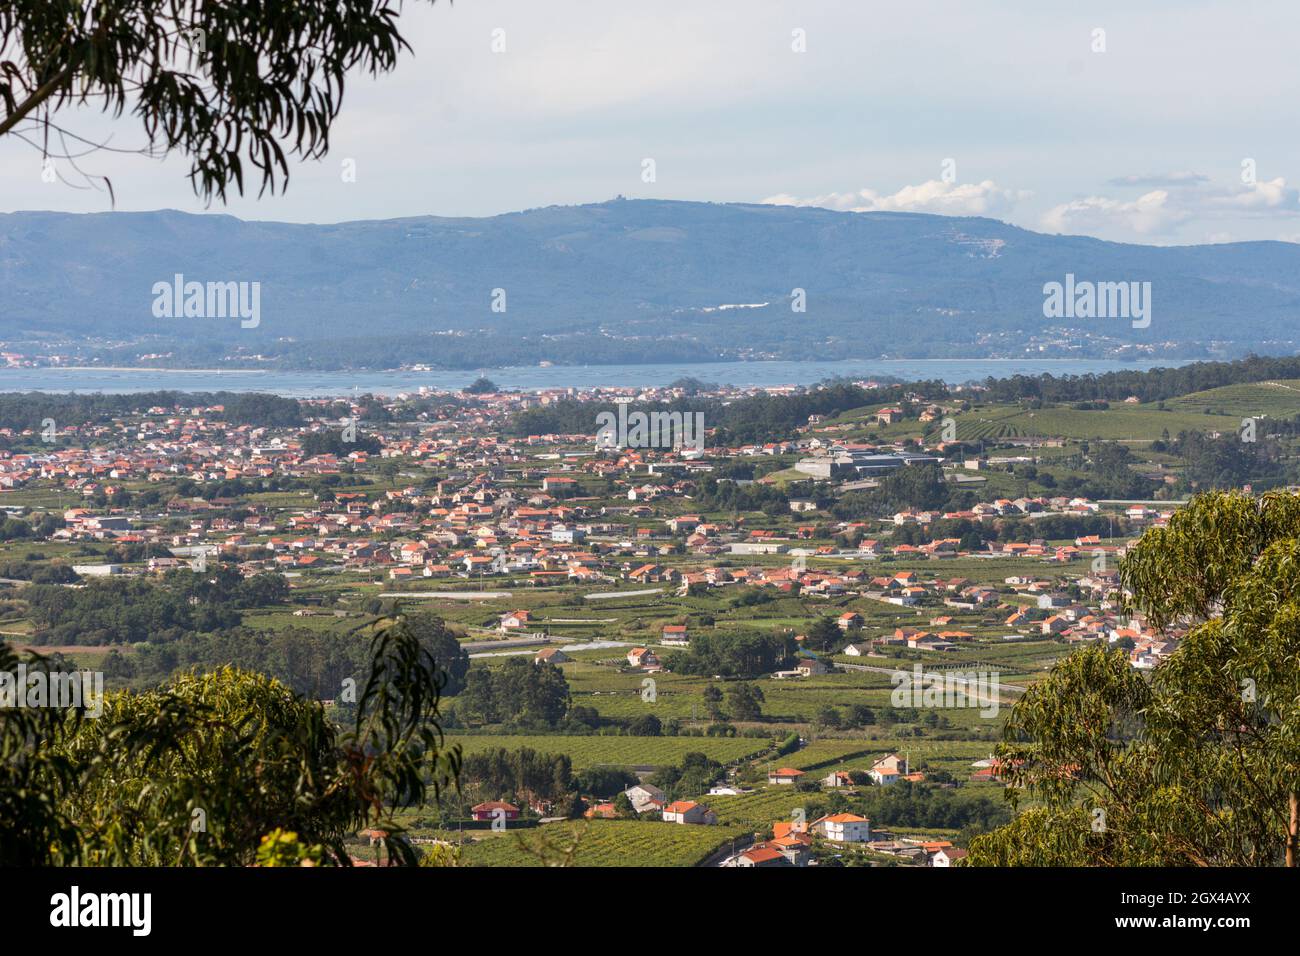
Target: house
(688, 811)
(554, 483)
(675, 635)
(857, 650)
(811, 666)
(494, 810)
(844, 828)
(551, 655)
(837, 778)
(887, 770)
(645, 796)
(641, 657)
(849, 619)
(514, 620)
(785, 775)
(946, 856)
(762, 855)
(1054, 624)
(794, 846)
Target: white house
(845, 828)
(784, 775)
(887, 770)
(645, 796)
(946, 856)
(688, 811)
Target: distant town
(792, 643)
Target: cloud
(1266, 198)
(934, 196)
(1151, 213)
(1162, 211)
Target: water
(534, 378)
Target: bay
(312, 384)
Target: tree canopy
(1199, 764)
(226, 82)
(210, 767)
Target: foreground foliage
(200, 771)
(1200, 764)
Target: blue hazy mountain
(628, 280)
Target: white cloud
(933, 196)
(1152, 213)
(1264, 198)
(1162, 211)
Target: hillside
(626, 281)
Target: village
(625, 568)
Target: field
(1120, 422)
(1273, 399)
(605, 843)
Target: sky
(1157, 122)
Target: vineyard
(603, 843)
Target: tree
(442, 646)
(221, 82)
(1198, 765)
(860, 715)
(481, 386)
(517, 692)
(745, 701)
(202, 770)
(824, 634)
(647, 725)
(713, 702)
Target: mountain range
(623, 281)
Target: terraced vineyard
(821, 753)
(986, 430)
(1279, 399)
(756, 811)
(605, 843)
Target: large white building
(845, 828)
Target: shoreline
(559, 367)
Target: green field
(1119, 422)
(1279, 399)
(603, 843)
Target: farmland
(601, 843)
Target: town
(710, 652)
